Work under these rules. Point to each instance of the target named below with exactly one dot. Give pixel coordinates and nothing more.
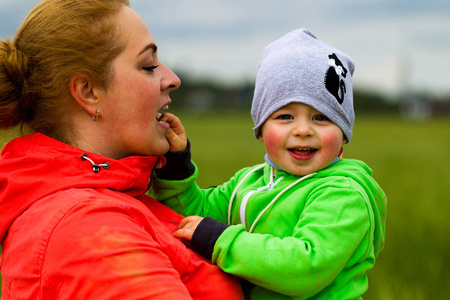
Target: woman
(83, 78)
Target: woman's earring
(96, 115)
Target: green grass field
(409, 160)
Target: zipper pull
(272, 178)
(272, 182)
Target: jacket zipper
(272, 183)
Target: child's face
(301, 140)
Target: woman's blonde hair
(58, 39)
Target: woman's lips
(163, 124)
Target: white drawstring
(236, 189)
(278, 196)
(267, 187)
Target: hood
(34, 166)
(362, 174)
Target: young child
(306, 224)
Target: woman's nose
(169, 80)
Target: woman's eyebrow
(149, 47)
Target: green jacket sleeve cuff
(178, 165)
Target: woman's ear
(82, 91)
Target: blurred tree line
(209, 95)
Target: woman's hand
(187, 227)
(176, 134)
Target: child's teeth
(166, 107)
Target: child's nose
(303, 128)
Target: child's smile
(302, 153)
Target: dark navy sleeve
(178, 165)
(206, 235)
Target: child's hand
(176, 134)
(187, 227)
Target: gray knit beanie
(300, 68)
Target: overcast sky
(395, 43)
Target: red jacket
(70, 233)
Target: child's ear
(260, 138)
(83, 92)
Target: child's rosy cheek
(332, 140)
(272, 141)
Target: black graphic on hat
(333, 82)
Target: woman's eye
(151, 68)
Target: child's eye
(285, 117)
(151, 68)
(320, 118)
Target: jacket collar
(34, 166)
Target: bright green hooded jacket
(311, 237)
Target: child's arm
(324, 242)
(206, 231)
(175, 184)
(187, 198)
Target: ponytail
(14, 91)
